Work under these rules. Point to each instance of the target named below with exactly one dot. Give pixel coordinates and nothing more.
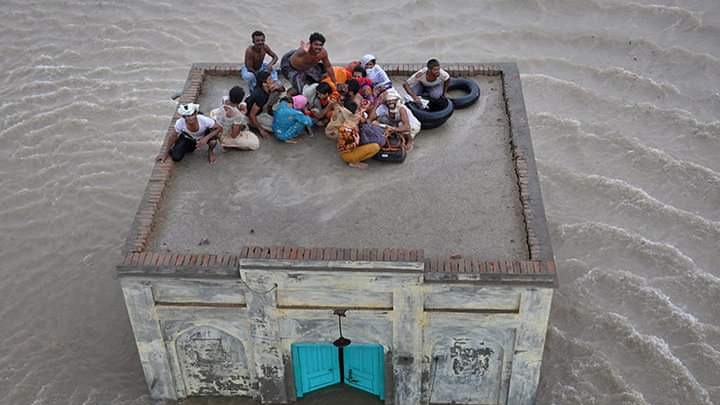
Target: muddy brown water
(624, 109)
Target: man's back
(258, 97)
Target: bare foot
(409, 146)
(212, 158)
(358, 165)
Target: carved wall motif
(459, 362)
(470, 361)
(212, 363)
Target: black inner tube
(469, 86)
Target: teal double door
(318, 365)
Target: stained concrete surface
(336, 394)
(456, 193)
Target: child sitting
(367, 94)
(322, 107)
(360, 75)
(231, 116)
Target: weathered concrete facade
(453, 329)
(231, 335)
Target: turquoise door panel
(363, 368)
(315, 365)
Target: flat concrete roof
(456, 194)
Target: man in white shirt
(192, 130)
(430, 81)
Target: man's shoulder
(206, 119)
(259, 95)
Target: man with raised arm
(255, 60)
(307, 64)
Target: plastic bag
(339, 116)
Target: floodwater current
(624, 109)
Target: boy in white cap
(192, 130)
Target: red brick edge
(521, 167)
(149, 259)
(331, 253)
(470, 265)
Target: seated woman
(290, 121)
(192, 130)
(431, 82)
(234, 122)
(360, 75)
(368, 96)
(378, 77)
(348, 143)
(396, 118)
(353, 93)
(341, 76)
(321, 109)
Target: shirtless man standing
(308, 63)
(255, 60)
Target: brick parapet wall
(205, 264)
(471, 269)
(435, 269)
(538, 241)
(538, 236)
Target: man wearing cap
(192, 130)
(396, 118)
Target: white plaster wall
(462, 343)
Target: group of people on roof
(356, 104)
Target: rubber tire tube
(467, 85)
(432, 124)
(429, 118)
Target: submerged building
(280, 272)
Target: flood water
(624, 109)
